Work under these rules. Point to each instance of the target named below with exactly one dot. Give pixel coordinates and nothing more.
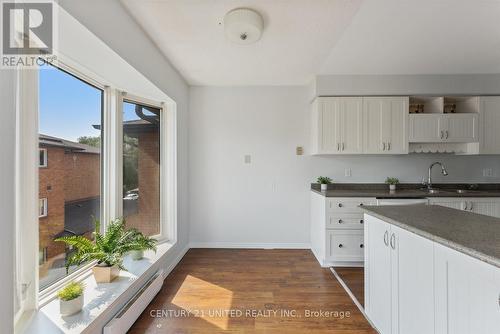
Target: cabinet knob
(340, 245)
(340, 205)
(340, 221)
(361, 246)
(361, 221)
(360, 204)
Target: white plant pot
(392, 187)
(69, 307)
(324, 187)
(137, 254)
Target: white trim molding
(243, 245)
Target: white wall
(7, 196)
(267, 201)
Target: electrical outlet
(348, 172)
(487, 172)
(248, 158)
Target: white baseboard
(250, 245)
(175, 261)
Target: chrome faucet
(443, 171)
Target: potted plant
(392, 182)
(108, 250)
(71, 298)
(324, 181)
(139, 243)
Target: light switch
(348, 172)
(248, 158)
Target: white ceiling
(303, 38)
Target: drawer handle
(340, 221)
(361, 221)
(386, 238)
(393, 241)
(340, 205)
(340, 245)
(361, 246)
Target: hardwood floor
(354, 278)
(268, 291)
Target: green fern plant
(108, 249)
(139, 241)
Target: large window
(70, 113)
(141, 167)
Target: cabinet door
(374, 127)
(351, 125)
(488, 206)
(395, 125)
(459, 128)
(328, 123)
(453, 203)
(413, 284)
(466, 294)
(424, 128)
(490, 124)
(378, 294)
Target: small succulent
(71, 291)
(324, 180)
(392, 180)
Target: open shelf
(443, 104)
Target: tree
(91, 141)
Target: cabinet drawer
(345, 221)
(345, 245)
(348, 205)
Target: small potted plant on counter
(108, 250)
(324, 181)
(71, 298)
(392, 182)
(139, 243)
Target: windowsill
(98, 298)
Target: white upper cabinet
(446, 128)
(385, 125)
(489, 112)
(337, 125)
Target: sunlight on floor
(207, 300)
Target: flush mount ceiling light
(243, 26)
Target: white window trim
(45, 158)
(45, 207)
(111, 199)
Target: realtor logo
(27, 32)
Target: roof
(136, 126)
(74, 147)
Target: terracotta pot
(137, 254)
(104, 274)
(69, 307)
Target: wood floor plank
(355, 280)
(267, 291)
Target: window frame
(111, 171)
(45, 207)
(45, 158)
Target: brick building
(69, 192)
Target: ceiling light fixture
(243, 26)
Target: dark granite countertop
(469, 233)
(407, 190)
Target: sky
(69, 107)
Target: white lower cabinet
(467, 294)
(414, 285)
(399, 289)
(483, 206)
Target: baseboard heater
(124, 319)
